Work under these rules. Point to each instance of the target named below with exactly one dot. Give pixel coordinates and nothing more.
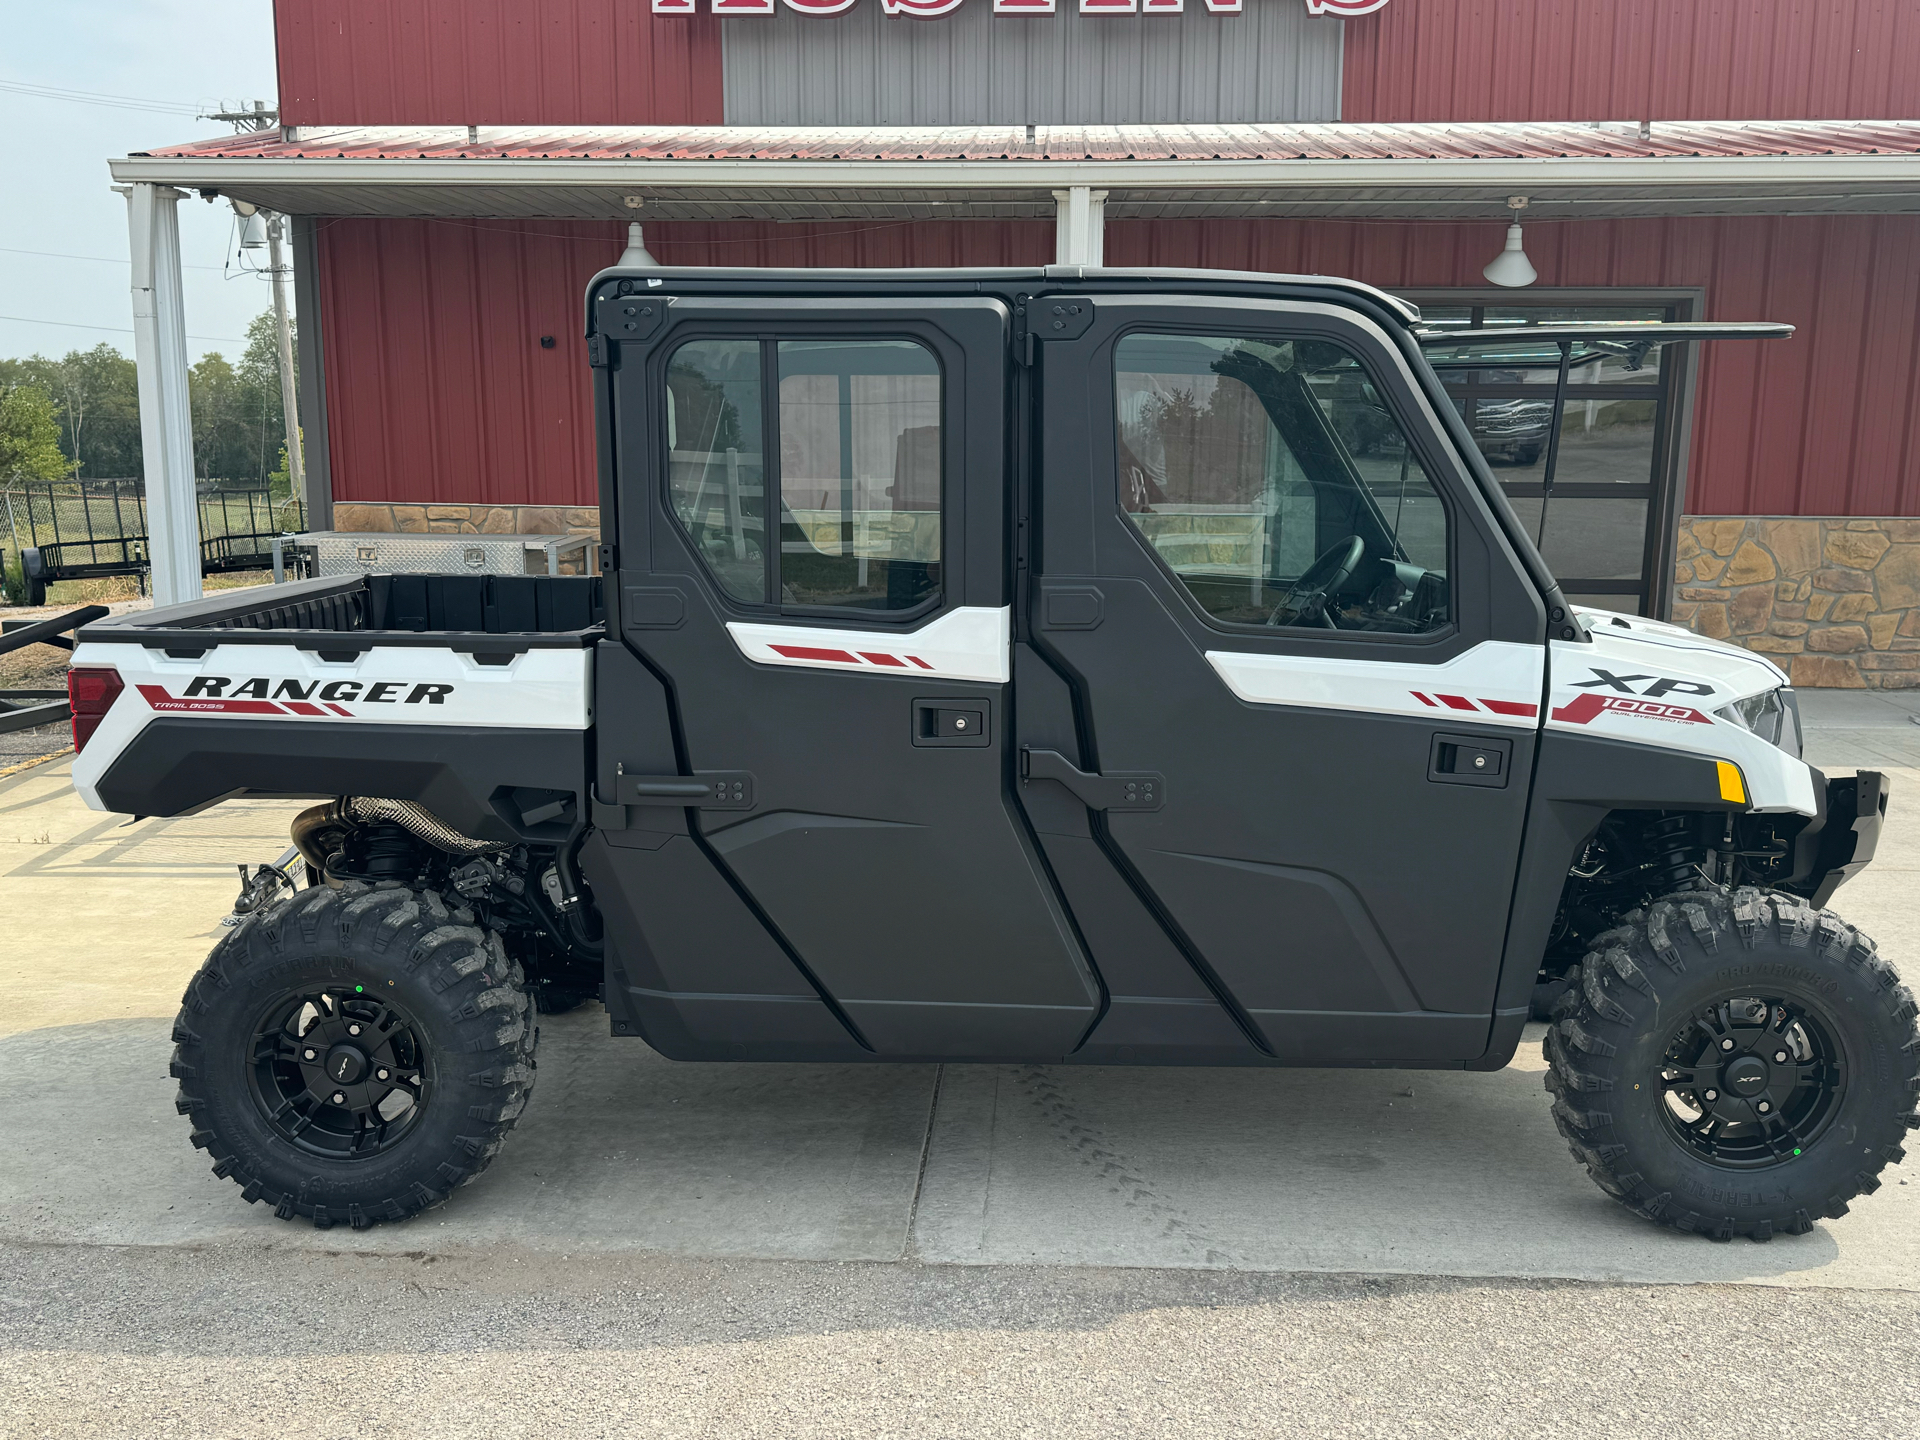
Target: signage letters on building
(928, 9)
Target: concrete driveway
(905, 1250)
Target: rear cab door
(1278, 603)
(811, 496)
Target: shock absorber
(1673, 847)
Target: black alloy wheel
(339, 1073)
(354, 1054)
(1735, 1063)
(1751, 1081)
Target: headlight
(1774, 715)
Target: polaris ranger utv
(1080, 667)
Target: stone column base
(468, 519)
(1832, 600)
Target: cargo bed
(469, 693)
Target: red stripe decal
(881, 658)
(809, 652)
(1421, 698)
(301, 707)
(338, 709)
(919, 662)
(159, 699)
(1510, 707)
(1456, 702)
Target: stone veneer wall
(469, 519)
(1831, 600)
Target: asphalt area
(671, 1249)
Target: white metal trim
(1495, 683)
(970, 643)
(1597, 173)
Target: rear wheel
(354, 1054)
(1734, 1063)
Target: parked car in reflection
(1512, 432)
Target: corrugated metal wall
(438, 389)
(494, 62)
(1634, 60)
(611, 62)
(862, 67)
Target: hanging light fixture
(1511, 267)
(253, 225)
(636, 255)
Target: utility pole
(289, 404)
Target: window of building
(850, 453)
(1271, 478)
(1594, 517)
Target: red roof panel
(1078, 142)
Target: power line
(89, 97)
(118, 329)
(101, 259)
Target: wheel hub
(1747, 1076)
(337, 1072)
(346, 1064)
(1750, 1081)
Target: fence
(104, 522)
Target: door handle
(710, 790)
(1109, 791)
(1469, 760)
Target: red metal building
(460, 168)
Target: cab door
(811, 501)
(1305, 670)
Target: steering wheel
(1307, 598)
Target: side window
(849, 456)
(1271, 478)
(716, 466)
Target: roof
(722, 172)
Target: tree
(29, 435)
(238, 433)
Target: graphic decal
(968, 643)
(1624, 684)
(209, 695)
(870, 657)
(1461, 702)
(1584, 708)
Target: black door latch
(1469, 760)
(1108, 791)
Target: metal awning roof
(981, 172)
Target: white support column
(1078, 226)
(166, 414)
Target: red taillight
(91, 692)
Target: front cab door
(1283, 609)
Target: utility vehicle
(1016, 666)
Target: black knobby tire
(458, 1036)
(1712, 962)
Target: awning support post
(166, 412)
(1078, 226)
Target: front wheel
(1735, 1063)
(354, 1054)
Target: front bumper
(1844, 836)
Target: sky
(183, 56)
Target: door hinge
(600, 352)
(1108, 791)
(1050, 317)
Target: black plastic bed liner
(522, 612)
